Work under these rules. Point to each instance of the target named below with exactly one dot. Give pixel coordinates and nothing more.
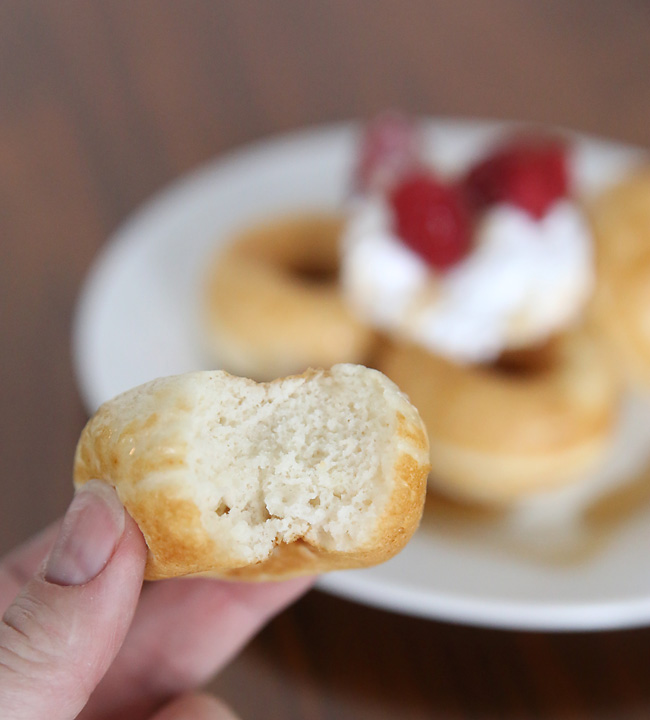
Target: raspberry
(528, 172)
(431, 219)
(390, 147)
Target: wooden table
(103, 102)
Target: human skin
(81, 637)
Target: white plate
(557, 563)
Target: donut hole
(526, 363)
(302, 248)
(314, 273)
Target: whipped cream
(524, 280)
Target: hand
(79, 639)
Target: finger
(64, 628)
(20, 564)
(196, 707)
(183, 632)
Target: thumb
(62, 632)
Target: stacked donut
(621, 308)
(484, 296)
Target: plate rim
(353, 585)
(490, 613)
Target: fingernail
(91, 529)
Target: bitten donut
(227, 477)
(498, 433)
(273, 303)
(621, 306)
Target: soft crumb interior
(300, 458)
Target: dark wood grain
(103, 102)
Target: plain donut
(273, 302)
(621, 306)
(499, 434)
(227, 477)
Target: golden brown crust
(621, 224)
(267, 316)
(403, 511)
(496, 435)
(139, 444)
(172, 528)
(124, 444)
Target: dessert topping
(529, 172)
(430, 217)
